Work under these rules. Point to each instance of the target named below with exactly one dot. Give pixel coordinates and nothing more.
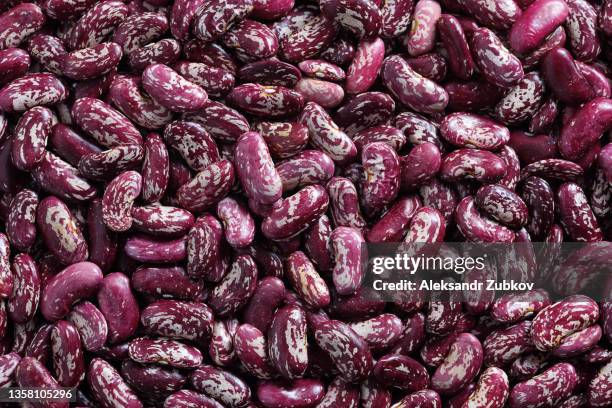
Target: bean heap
(185, 187)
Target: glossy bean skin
(564, 77)
(576, 215)
(306, 281)
(412, 89)
(500, 16)
(119, 307)
(539, 20)
(234, 290)
(126, 94)
(423, 398)
(502, 205)
(326, 135)
(164, 352)
(468, 130)
(312, 201)
(522, 101)
(365, 66)
(221, 385)
(90, 324)
(237, 221)
(349, 352)
(118, 199)
(574, 145)
(31, 134)
(43, 89)
(166, 282)
(571, 314)
(581, 25)
(422, 36)
(267, 296)
(60, 232)
(402, 372)
(453, 37)
(78, 281)
(344, 12)
(497, 63)
(364, 110)
(266, 101)
(67, 354)
(108, 387)
(26, 289)
(287, 343)
(393, 225)
(477, 228)
(95, 24)
(301, 393)
(598, 392)
(558, 381)
(382, 174)
(446, 379)
(492, 389)
(32, 373)
(6, 277)
(479, 165)
(21, 219)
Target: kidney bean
(183, 320)
(126, 95)
(365, 66)
(534, 148)
(477, 228)
(118, 199)
(390, 135)
(563, 75)
(295, 213)
(181, 17)
(347, 273)
(8, 364)
(423, 398)
(270, 71)
(221, 385)
(548, 388)
(31, 373)
(422, 36)
(301, 393)
(469, 130)
(573, 144)
(14, 63)
(204, 248)
(268, 101)
(412, 89)
(365, 110)
(164, 352)
(502, 205)
(348, 351)
(553, 169)
(166, 282)
(267, 296)
(119, 307)
(503, 346)
(306, 168)
(68, 359)
(501, 15)
(78, 281)
(108, 387)
(514, 307)
(185, 96)
(156, 380)
(213, 19)
(104, 124)
(492, 389)
(233, 291)
(306, 281)
(581, 26)
(6, 277)
(497, 64)
(207, 187)
(138, 30)
(402, 372)
(539, 20)
(307, 38)
(48, 50)
(579, 342)
(361, 18)
(287, 343)
(148, 249)
(251, 349)
(472, 164)
(31, 90)
(109, 163)
(21, 220)
(431, 66)
(23, 303)
(18, 23)
(90, 324)
(570, 315)
(317, 243)
(216, 82)
(193, 144)
(93, 27)
(522, 101)
(460, 366)
(576, 215)
(598, 391)
(251, 40)
(164, 51)
(59, 231)
(453, 37)
(324, 93)
(91, 62)
(237, 221)
(321, 69)
(187, 398)
(69, 144)
(60, 178)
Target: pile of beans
(185, 187)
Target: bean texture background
(186, 186)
